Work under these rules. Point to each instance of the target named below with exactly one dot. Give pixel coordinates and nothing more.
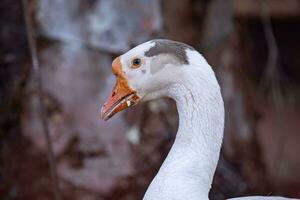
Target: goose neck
(188, 170)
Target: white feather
(188, 170)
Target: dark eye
(136, 62)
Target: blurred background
(253, 45)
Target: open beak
(122, 95)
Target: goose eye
(136, 62)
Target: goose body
(167, 68)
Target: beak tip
(102, 115)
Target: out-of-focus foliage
(109, 25)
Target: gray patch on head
(160, 61)
(176, 49)
(143, 71)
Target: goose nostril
(114, 93)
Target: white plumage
(178, 71)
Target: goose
(166, 68)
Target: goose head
(146, 72)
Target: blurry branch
(271, 76)
(37, 79)
(271, 41)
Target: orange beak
(122, 95)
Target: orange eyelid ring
(136, 62)
(122, 95)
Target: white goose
(167, 68)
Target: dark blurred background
(253, 45)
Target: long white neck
(188, 170)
